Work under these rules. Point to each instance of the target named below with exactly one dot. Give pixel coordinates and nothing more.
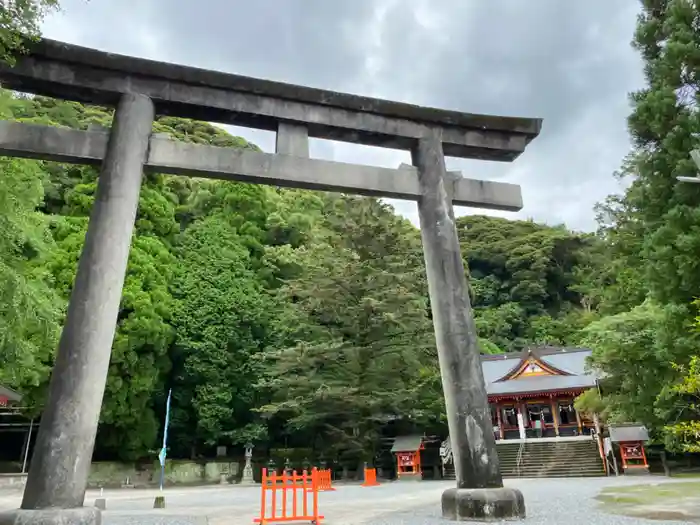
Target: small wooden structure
(407, 450)
(13, 421)
(8, 396)
(631, 439)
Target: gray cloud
(568, 63)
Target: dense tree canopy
(528, 280)
(296, 318)
(274, 315)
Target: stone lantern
(247, 477)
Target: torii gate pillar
(63, 452)
(479, 494)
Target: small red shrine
(8, 396)
(13, 420)
(631, 439)
(407, 450)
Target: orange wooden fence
(292, 497)
(325, 480)
(370, 478)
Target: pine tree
(664, 126)
(362, 349)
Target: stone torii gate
(140, 89)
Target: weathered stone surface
(101, 503)
(291, 169)
(35, 141)
(468, 416)
(292, 139)
(77, 516)
(483, 504)
(59, 469)
(88, 75)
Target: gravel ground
(145, 519)
(548, 501)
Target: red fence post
(293, 484)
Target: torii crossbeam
(140, 89)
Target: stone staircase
(508, 457)
(547, 459)
(448, 471)
(561, 459)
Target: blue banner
(161, 456)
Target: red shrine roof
(536, 370)
(629, 432)
(407, 443)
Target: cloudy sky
(569, 63)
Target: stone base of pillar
(483, 504)
(80, 516)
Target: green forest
(301, 319)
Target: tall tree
(653, 229)
(683, 431)
(221, 326)
(635, 363)
(359, 317)
(665, 125)
(30, 311)
(19, 22)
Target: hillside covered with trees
(294, 318)
(274, 315)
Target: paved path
(548, 501)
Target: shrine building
(531, 393)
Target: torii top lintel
(62, 70)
